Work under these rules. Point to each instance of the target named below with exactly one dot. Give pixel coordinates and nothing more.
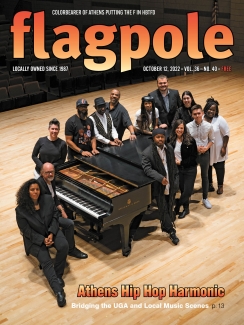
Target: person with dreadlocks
(158, 162)
(185, 150)
(219, 151)
(146, 117)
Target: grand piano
(107, 189)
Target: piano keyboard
(79, 202)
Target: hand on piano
(116, 142)
(132, 137)
(95, 152)
(86, 154)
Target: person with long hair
(219, 151)
(185, 150)
(50, 148)
(146, 117)
(184, 112)
(37, 219)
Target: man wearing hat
(104, 129)
(79, 132)
(158, 162)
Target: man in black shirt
(120, 116)
(79, 132)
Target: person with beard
(79, 132)
(120, 116)
(48, 186)
(50, 148)
(158, 162)
(104, 129)
(167, 101)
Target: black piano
(107, 189)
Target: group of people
(183, 136)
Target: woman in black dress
(185, 150)
(37, 219)
(50, 149)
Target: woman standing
(146, 117)
(185, 150)
(37, 219)
(50, 149)
(219, 151)
(184, 112)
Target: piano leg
(124, 232)
(128, 229)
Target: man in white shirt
(203, 133)
(104, 129)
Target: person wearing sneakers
(158, 162)
(203, 133)
(218, 152)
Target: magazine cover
(121, 165)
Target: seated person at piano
(79, 132)
(48, 186)
(104, 129)
(146, 117)
(50, 148)
(37, 219)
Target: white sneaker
(206, 203)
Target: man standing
(167, 101)
(47, 185)
(120, 116)
(104, 129)
(203, 133)
(158, 162)
(79, 132)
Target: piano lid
(117, 168)
(130, 151)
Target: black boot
(175, 240)
(184, 213)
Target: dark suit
(35, 229)
(66, 224)
(151, 169)
(166, 117)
